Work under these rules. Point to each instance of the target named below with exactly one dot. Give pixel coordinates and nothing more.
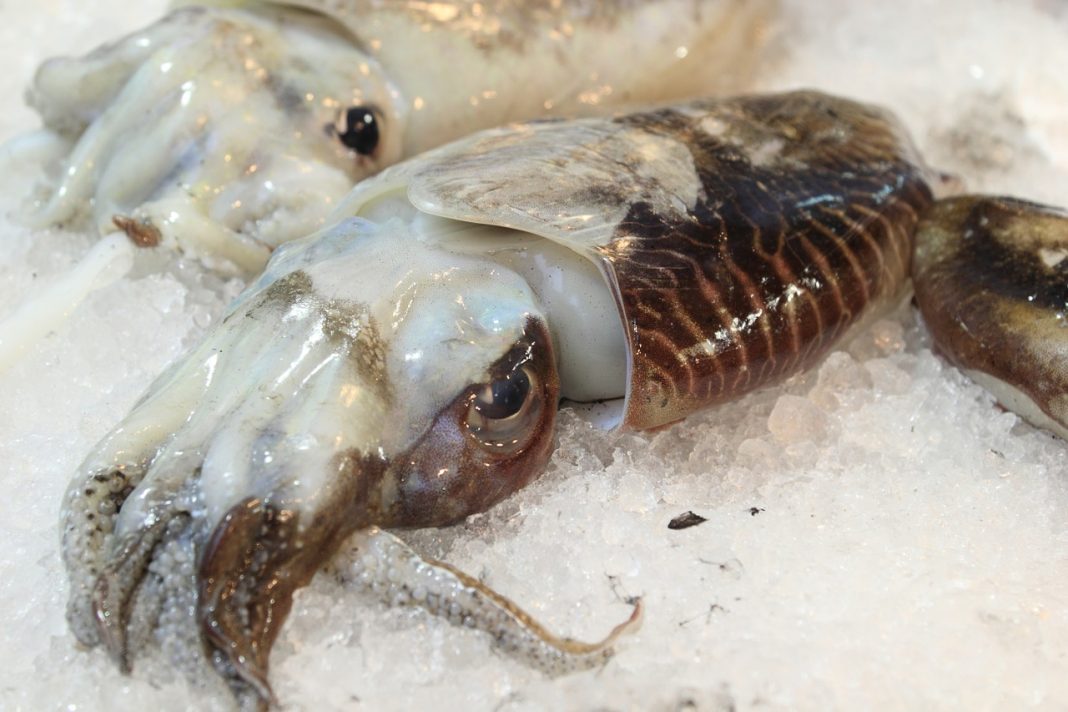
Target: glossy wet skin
(221, 132)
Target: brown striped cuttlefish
(402, 368)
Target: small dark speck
(753, 511)
(686, 520)
(999, 453)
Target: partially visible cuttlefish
(228, 128)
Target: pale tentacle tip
(110, 624)
(256, 677)
(631, 625)
(605, 648)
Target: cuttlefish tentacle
(70, 93)
(91, 508)
(389, 568)
(256, 558)
(133, 106)
(109, 551)
(125, 573)
(120, 508)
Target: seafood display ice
(876, 531)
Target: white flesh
(583, 317)
(471, 78)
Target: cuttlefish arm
(219, 132)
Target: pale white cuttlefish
(229, 128)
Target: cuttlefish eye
(491, 440)
(357, 128)
(503, 410)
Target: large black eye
(502, 411)
(505, 397)
(358, 129)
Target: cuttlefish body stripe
(991, 278)
(839, 260)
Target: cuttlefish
(229, 127)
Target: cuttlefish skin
(230, 127)
(991, 279)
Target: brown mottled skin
(990, 300)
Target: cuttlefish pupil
(358, 129)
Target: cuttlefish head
(222, 132)
(359, 383)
